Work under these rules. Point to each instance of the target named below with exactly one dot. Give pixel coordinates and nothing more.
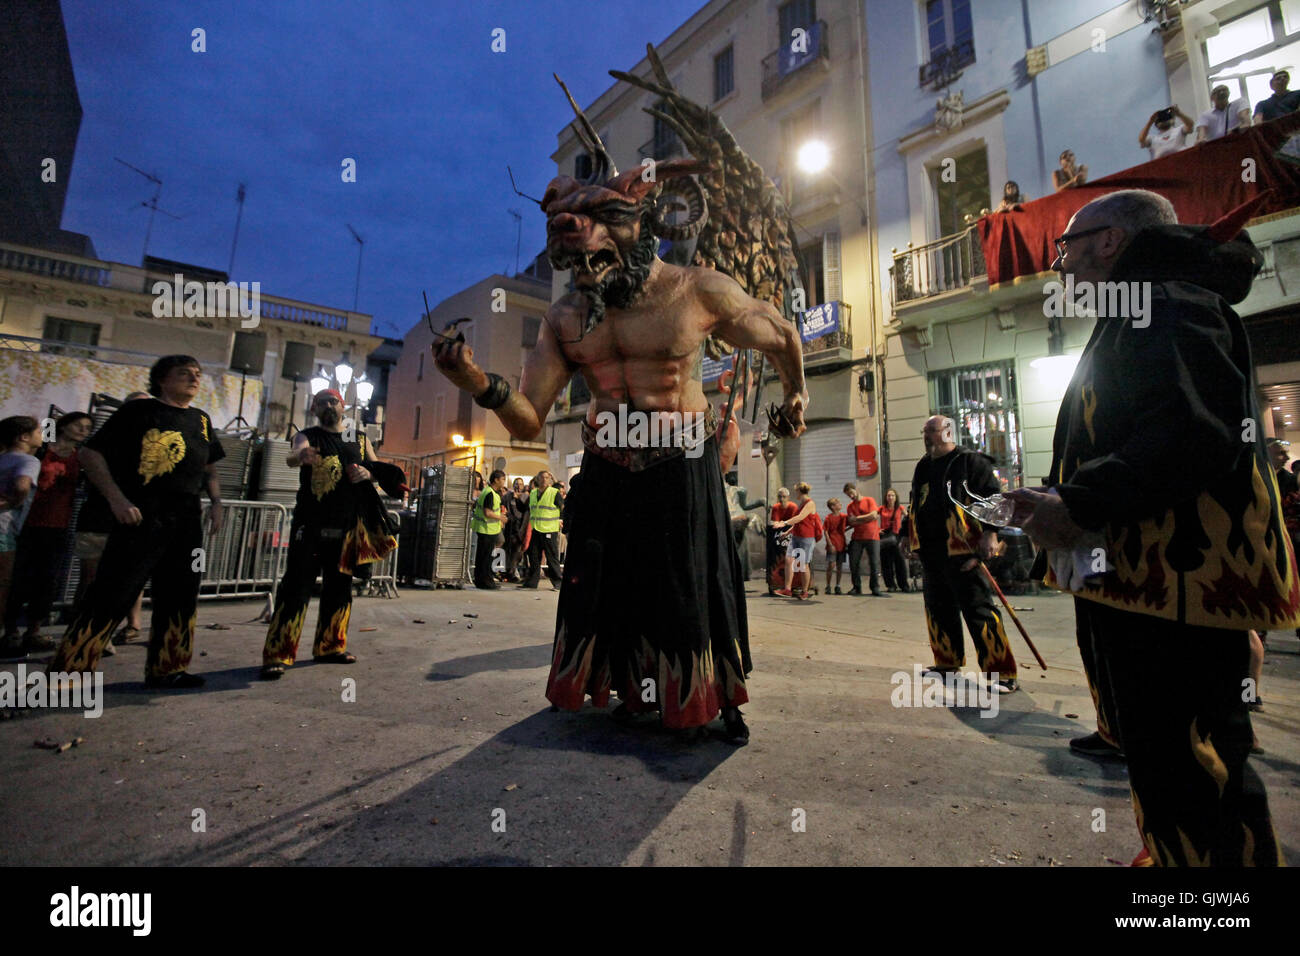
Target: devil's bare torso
(646, 356)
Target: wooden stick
(1007, 604)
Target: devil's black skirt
(653, 602)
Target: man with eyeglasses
(1193, 557)
(149, 461)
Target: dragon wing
(749, 234)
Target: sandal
(338, 657)
(272, 672)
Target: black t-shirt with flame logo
(157, 452)
(325, 495)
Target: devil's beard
(621, 288)
(328, 417)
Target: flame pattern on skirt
(1202, 564)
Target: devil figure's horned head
(602, 227)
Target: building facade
(967, 94)
(780, 75)
(428, 415)
(104, 316)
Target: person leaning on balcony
(1012, 198)
(1069, 175)
(1282, 101)
(150, 461)
(1223, 117)
(1187, 560)
(1173, 126)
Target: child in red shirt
(836, 547)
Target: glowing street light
(813, 156)
(458, 440)
(343, 372)
(365, 389)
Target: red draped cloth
(1203, 183)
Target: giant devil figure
(652, 604)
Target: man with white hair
(1224, 116)
(1191, 558)
(951, 545)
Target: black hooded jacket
(1157, 444)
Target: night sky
(287, 90)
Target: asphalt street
(449, 753)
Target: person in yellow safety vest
(544, 504)
(486, 523)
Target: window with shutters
(982, 400)
(814, 278)
(724, 80)
(795, 15)
(72, 332)
(831, 267)
(532, 327)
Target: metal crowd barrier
(246, 557)
(383, 576)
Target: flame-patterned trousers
(1180, 712)
(312, 551)
(952, 594)
(653, 604)
(162, 548)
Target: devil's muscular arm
(747, 323)
(545, 374)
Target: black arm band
(496, 394)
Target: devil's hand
(793, 408)
(456, 361)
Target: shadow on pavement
(511, 658)
(578, 793)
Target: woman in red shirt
(41, 566)
(802, 538)
(893, 563)
(837, 549)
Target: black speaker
(299, 357)
(249, 353)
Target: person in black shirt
(324, 517)
(951, 546)
(1282, 101)
(150, 461)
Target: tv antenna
(239, 198)
(361, 247)
(151, 204)
(519, 232)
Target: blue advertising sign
(822, 320)
(713, 368)
(788, 60)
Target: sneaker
(784, 592)
(1008, 686)
(837, 590)
(1094, 745)
(126, 635)
(181, 680)
(855, 592)
(109, 650)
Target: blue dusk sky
(288, 89)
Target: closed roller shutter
(825, 456)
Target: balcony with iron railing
(787, 62)
(944, 265)
(947, 64)
(115, 275)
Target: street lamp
(343, 373)
(813, 157)
(365, 390)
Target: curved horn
(697, 205)
(602, 163)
